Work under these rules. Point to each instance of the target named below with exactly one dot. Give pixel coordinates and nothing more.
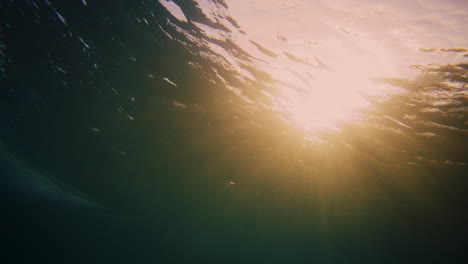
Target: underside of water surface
(233, 131)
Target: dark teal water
(121, 142)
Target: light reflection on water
(323, 59)
(329, 100)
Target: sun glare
(332, 96)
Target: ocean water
(233, 131)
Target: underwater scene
(234, 131)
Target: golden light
(324, 56)
(333, 95)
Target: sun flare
(331, 96)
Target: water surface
(234, 131)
